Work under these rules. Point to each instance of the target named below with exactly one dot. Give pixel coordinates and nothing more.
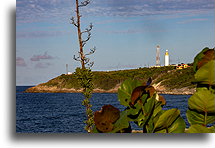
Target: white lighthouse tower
(166, 58)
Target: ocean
(64, 113)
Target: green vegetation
(201, 105)
(84, 74)
(168, 76)
(84, 77)
(143, 105)
(177, 78)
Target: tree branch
(77, 58)
(91, 51)
(90, 64)
(74, 22)
(88, 38)
(88, 29)
(84, 3)
(86, 60)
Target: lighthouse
(166, 58)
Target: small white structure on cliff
(166, 58)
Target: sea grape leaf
(200, 129)
(142, 93)
(141, 120)
(143, 99)
(150, 125)
(147, 111)
(166, 120)
(150, 90)
(202, 58)
(125, 91)
(206, 74)
(106, 117)
(137, 94)
(157, 111)
(197, 118)
(149, 106)
(162, 100)
(121, 123)
(208, 56)
(198, 57)
(178, 126)
(133, 113)
(157, 115)
(202, 101)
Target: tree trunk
(79, 35)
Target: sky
(125, 34)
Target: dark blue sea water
(63, 112)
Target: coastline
(54, 89)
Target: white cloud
(56, 10)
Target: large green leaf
(121, 123)
(158, 107)
(178, 126)
(144, 98)
(206, 74)
(200, 129)
(166, 120)
(106, 117)
(202, 58)
(202, 101)
(147, 109)
(125, 91)
(134, 113)
(197, 118)
(119, 126)
(149, 106)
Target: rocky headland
(166, 80)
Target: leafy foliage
(202, 101)
(197, 128)
(143, 105)
(105, 118)
(111, 120)
(170, 122)
(125, 91)
(84, 77)
(203, 57)
(201, 105)
(206, 74)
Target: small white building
(166, 58)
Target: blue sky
(125, 33)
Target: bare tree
(82, 42)
(84, 75)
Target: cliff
(166, 80)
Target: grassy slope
(168, 77)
